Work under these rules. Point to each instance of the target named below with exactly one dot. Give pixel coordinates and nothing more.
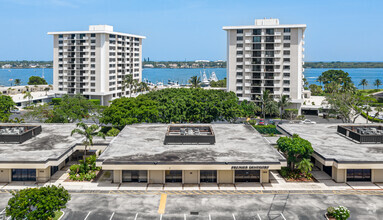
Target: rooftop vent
(189, 134)
(18, 134)
(362, 133)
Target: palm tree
(363, 83)
(320, 80)
(143, 87)
(195, 81)
(28, 95)
(305, 165)
(368, 109)
(17, 82)
(283, 103)
(265, 98)
(87, 132)
(378, 111)
(135, 86)
(127, 83)
(46, 89)
(377, 83)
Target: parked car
(307, 121)
(261, 122)
(15, 110)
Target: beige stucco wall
(117, 176)
(264, 176)
(5, 175)
(191, 176)
(377, 176)
(43, 175)
(156, 176)
(225, 176)
(339, 175)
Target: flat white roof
(264, 26)
(96, 32)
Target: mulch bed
(98, 174)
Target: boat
(204, 80)
(213, 77)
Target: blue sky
(337, 30)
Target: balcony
(278, 41)
(247, 70)
(247, 77)
(248, 41)
(277, 33)
(247, 91)
(247, 48)
(247, 84)
(247, 55)
(248, 34)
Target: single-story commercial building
(190, 153)
(34, 152)
(346, 152)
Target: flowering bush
(339, 213)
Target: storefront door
(358, 175)
(247, 176)
(23, 174)
(208, 176)
(173, 176)
(140, 176)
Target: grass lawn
(369, 91)
(58, 214)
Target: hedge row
(266, 129)
(371, 118)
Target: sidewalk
(277, 183)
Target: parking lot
(94, 206)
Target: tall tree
(195, 81)
(377, 83)
(37, 203)
(363, 83)
(17, 82)
(320, 79)
(283, 103)
(269, 106)
(36, 80)
(28, 95)
(87, 132)
(127, 83)
(6, 105)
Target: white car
(307, 121)
(15, 110)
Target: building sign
(249, 167)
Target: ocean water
(183, 75)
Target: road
(214, 206)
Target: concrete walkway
(277, 183)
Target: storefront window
(247, 176)
(140, 176)
(173, 176)
(358, 175)
(23, 174)
(208, 176)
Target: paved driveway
(210, 207)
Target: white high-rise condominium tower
(266, 56)
(95, 62)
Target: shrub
(56, 101)
(339, 213)
(95, 101)
(113, 132)
(253, 122)
(85, 170)
(267, 129)
(371, 118)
